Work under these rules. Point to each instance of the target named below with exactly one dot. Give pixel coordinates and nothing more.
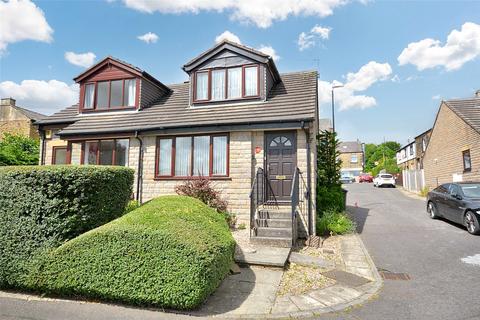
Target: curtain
(251, 81)
(201, 156)
(218, 84)
(183, 155)
(234, 83)
(202, 86)
(130, 92)
(165, 166)
(89, 92)
(220, 155)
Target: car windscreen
(386, 176)
(471, 190)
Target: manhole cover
(388, 275)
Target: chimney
(8, 102)
(477, 94)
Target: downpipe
(309, 177)
(138, 196)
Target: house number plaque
(280, 177)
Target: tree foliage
(16, 149)
(328, 160)
(381, 156)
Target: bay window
(113, 94)
(226, 83)
(187, 156)
(106, 152)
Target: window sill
(192, 178)
(82, 111)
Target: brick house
(17, 120)
(421, 143)
(407, 156)
(453, 152)
(237, 121)
(352, 156)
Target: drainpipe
(138, 196)
(309, 177)
(42, 141)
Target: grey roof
(30, 114)
(67, 115)
(325, 124)
(468, 110)
(350, 147)
(293, 99)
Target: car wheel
(432, 210)
(471, 222)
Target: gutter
(139, 169)
(309, 177)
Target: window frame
(97, 156)
(172, 175)
(109, 107)
(465, 152)
(67, 149)
(225, 69)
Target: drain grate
(388, 275)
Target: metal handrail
(300, 196)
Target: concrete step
(263, 256)
(274, 232)
(272, 241)
(274, 214)
(275, 223)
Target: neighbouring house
(453, 152)
(237, 121)
(407, 156)
(17, 120)
(421, 143)
(352, 156)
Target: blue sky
(382, 99)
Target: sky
(396, 60)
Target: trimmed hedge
(43, 206)
(172, 252)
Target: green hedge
(42, 206)
(172, 252)
(330, 198)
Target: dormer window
(112, 94)
(221, 84)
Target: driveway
(401, 238)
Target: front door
(281, 151)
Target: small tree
(328, 160)
(16, 149)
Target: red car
(365, 178)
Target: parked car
(384, 179)
(365, 177)
(457, 202)
(347, 179)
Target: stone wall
(443, 158)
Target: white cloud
(461, 46)
(22, 20)
(269, 51)
(42, 96)
(260, 12)
(309, 39)
(85, 60)
(148, 37)
(436, 97)
(347, 97)
(227, 35)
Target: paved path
(401, 238)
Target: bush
(132, 205)
(42, 206)
(172, 252)
(16, 149)
(334, 222)
(329, 198)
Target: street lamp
(333, 104)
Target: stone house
(407, 156)
(237, 121)
(17, 120)
(453, 152)
(421, 143)
(352, 156)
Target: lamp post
(333, 105)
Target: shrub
(330, 197)
(424, 192)
(132, 205)
(334, 222)
(172, 252)
(42, 206)
(16, 149)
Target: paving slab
(263, 255)
(343, 292)
(346, 278)
(309, 261)
(305, 302)
(325, 298)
